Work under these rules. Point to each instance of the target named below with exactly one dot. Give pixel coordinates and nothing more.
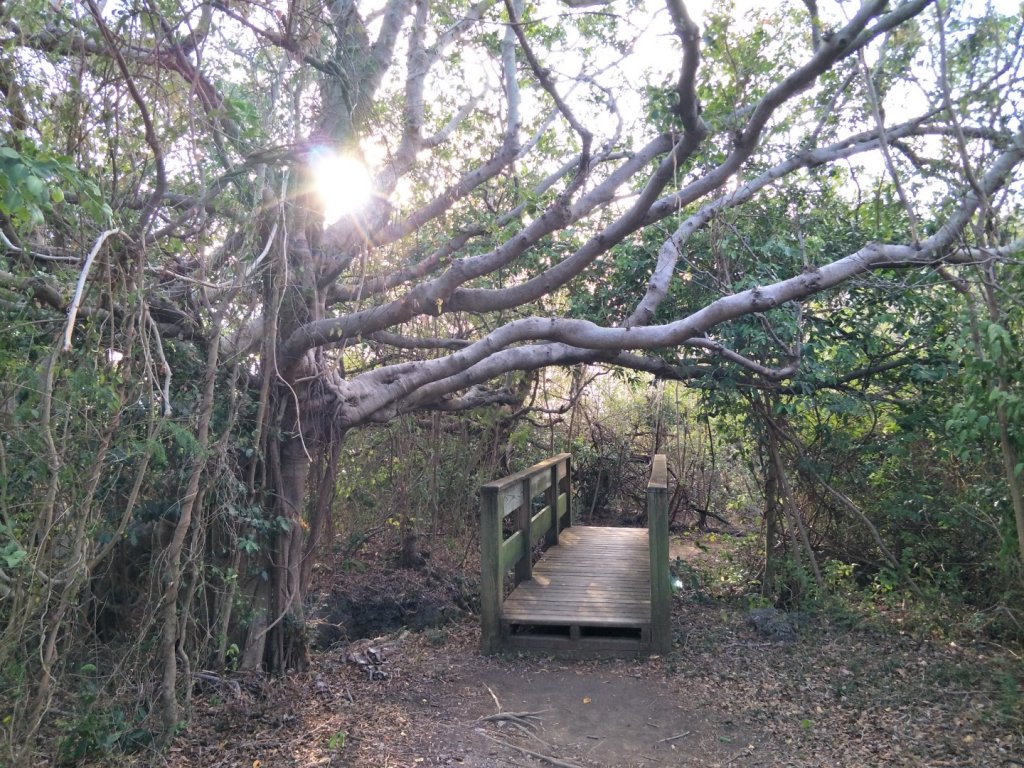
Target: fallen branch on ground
(674, 738)
(537, 755)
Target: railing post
(490, 570)
(552, 501)
(657, 533)
(496, 500)
(524, 565)
(570, 511)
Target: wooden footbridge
(592, 591)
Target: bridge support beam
(657, 531)
(491, 576)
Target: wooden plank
(626, 603)
(606, 601)
(605, 606)
(633, 611)
(545, 582)
(617, 538)
(512, 490)
(540, 524)
(594, 577)
(539, 467)
(551, 579)
(596, 549)
(601, 598)
(545, 576)
(582, 647)
(511, 551)
(615, 562)
(616, 615)
(618, 560)
(550, 583)
(511, 499)
(582, 595)
(563, 510)
(525, 602)
(579, 618)
(593, 569)
(600, 567)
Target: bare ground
(724, 697)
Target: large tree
(161, 225)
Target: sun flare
(342, 183)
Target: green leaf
(13, 554)
(36, 187)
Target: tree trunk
(322, 494)
(1010, 462)
(286, 646)
(798, 529)
(771, 524)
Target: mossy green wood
(514, 496)
(524, 563)
(552, 506)
(491, 572)
(498, 554)
(657, 528)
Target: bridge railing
(657, 534)
(532, 519)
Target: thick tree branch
(381, 388)
(688, 106)
(672, 249)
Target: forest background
(781, 246)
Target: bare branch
(544, 78)
(76, 300)
(147, 121)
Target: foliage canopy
(804, 208)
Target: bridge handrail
(657, 535)
(515, 494)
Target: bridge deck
(591, 592)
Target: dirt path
(599, 714)
(724, 697)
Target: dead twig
(536, 755)
(527, 723)
(529, 720)
(674, 738)
(497, 704)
